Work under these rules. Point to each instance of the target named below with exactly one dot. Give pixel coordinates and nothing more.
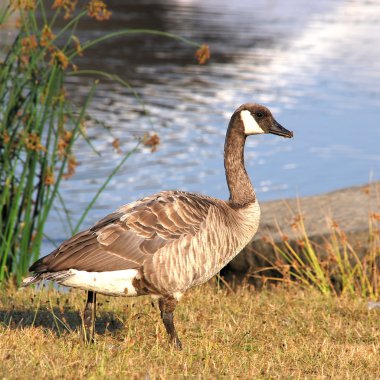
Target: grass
(275, 333)
(330, 263)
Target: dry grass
(331, 262)
(272, 334)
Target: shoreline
(346, 209)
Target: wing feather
(127, 237)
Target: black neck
(239, 184)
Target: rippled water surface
(315, 64)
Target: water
(315, 64)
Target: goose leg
(89, 317)
(167, 306)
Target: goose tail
(52, 276)
(30, 280)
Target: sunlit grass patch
(272, 334)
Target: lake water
(315, 64)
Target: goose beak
(278, 129)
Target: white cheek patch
(250, 124)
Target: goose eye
(259, 114)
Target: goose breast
(194, 259)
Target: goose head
(257, 119)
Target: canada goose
(168, 242)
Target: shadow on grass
(58, 320)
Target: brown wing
(127, 237)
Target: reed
(39, 124)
